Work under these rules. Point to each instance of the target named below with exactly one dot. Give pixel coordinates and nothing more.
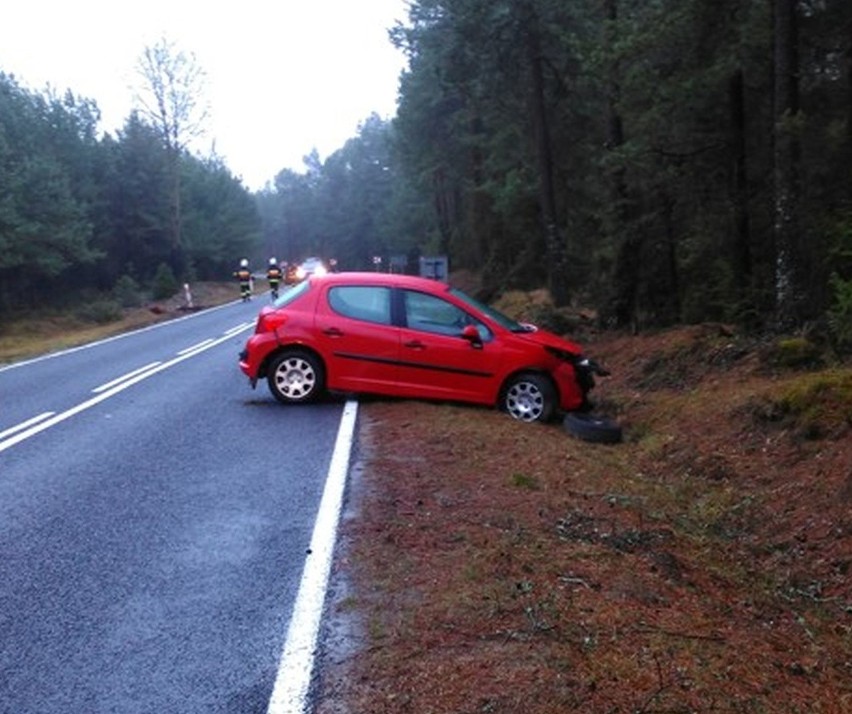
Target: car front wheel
(295, 377)
(530, 397)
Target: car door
(436, 361)
(355, 336)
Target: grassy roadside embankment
(703, 565)
(41, 332)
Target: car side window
(367, 303)
(432, 314)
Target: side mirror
(471, 334)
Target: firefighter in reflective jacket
(274, 275)
(243, 275)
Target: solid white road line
(25, 424)
(294, 670)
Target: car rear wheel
(530, 397)
(295, 377)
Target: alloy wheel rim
(525, 401)
(296, 378)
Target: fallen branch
(644, 628)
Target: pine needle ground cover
(702, 565)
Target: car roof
(395, 280)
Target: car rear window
(362, 302)
(291, 294)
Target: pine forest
(657, 161)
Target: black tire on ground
(592, 428)
(296, 377)
(529, 397)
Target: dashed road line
(129, 375)
(54, 419)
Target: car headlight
(591, 366)
(580, 362)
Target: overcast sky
(282, 76)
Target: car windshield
(496, 315)
(290, 294)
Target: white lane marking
(120, 379)
(104, 341)
(24, 424)
(56, 419)
(239, 328)
(294, 670)
(199, 347)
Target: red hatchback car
(411, 337)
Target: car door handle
(414, 345)
(333, 332)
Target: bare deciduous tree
(172, 99)
(172, 93)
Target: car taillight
(270, 322)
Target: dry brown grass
(703, 565)
(41, 332)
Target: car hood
(549, 339)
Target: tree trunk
(622, 305)
(444, 208)
(742, 259)
(481, 220)
(670, 309)
(787, 156)
(554, 241)
(849, 97)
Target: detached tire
(589, 427)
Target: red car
(411, 337)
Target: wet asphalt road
(152, 532)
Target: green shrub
(820, 404)
(100, 312)
(165, 284)
(840, 314)
(793, 353)
(525, 481)
(126, 292)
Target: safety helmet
(244, 263)
(272, 261)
